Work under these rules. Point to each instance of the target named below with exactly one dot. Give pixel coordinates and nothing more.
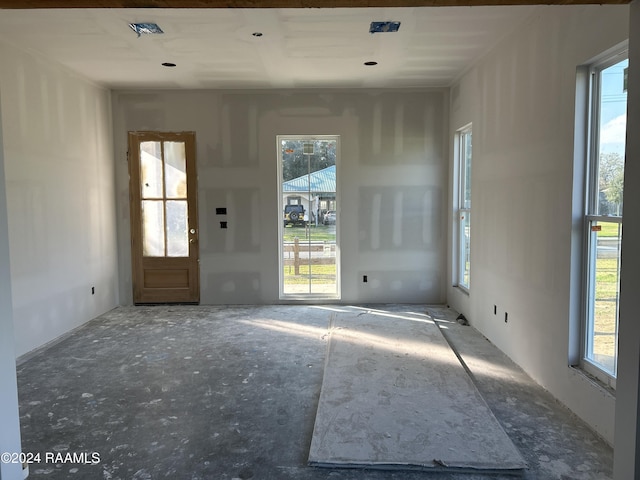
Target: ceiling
(298, 48)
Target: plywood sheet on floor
(394, 395)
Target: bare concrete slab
(231, 392)
(394, 395)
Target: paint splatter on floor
(151, 416)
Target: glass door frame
(310, 295)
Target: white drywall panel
(393, 148)
(521, 101)
(60, 194)
(9, 413)
(627, 443)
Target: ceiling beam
(33, 4)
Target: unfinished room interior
(235, 239)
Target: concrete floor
(231, 393)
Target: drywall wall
(627, 443)
(521, 101)
(391, 178)
(9, 414)
(60, 196)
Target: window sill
(461, 289)
(605, 389)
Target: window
(463, 257)
(603, 215)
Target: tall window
(463, 150)
(603, 219)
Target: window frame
(593, 216)
(462, 211)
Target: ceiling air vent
(146, 28)
(383, 27)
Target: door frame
(306, 296)
(172, 265)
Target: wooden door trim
(139, 263)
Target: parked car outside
(294, 215)
(329, 218)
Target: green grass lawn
(609, 229)
(321, 233)
(320, 274)
(604, 341)
(606, 295)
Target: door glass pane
(603, 291)
(152, 228)
(309, 213)
(175, 170)
(151, 170)
(177, 226)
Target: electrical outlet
(364, 279)
(506, 317)
(495, 309)
(93, 290)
